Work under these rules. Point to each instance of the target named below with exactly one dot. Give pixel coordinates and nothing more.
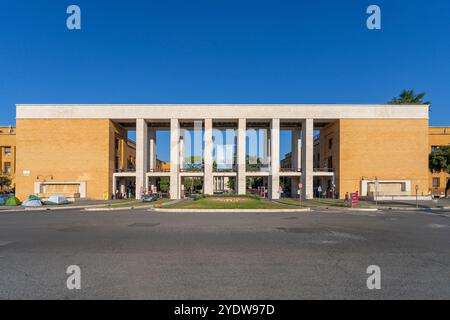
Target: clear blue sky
(223, 51)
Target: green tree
(409, 97)
(251, 165)
(164, 184)
(193, 184)
(230, 184)
(439, 160)
(5, 182)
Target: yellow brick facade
(327, 150)
(59, 150)
(74, 150)
(366, 149)
(8, 153)
(383, 149)
(438, 137)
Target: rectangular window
(330, 143)
(8, 151)
(116, 153)
(330, 162)
(7, 168)
(436, 182)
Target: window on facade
(131, 163)
(7, 168)
(330, 143)
(435, 148)
(116, 153)
(330, 162)
(436, 182)
(8, 151)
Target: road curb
(118, 209)
(414, 209)
(37, 209)
(229, 210)
(150, 206)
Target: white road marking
(438, 226)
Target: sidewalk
(78, 204)
(332, 204)
(443, 204)
(364, 205)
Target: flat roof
(220, 111)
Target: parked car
(150, 198)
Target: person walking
(447, 187)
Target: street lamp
(376, 192)
(417, 200)
(44, 178)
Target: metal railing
(259, 167)
(159, 170)
(323, 169)
(125, 170)
(200, 168)
(289, 169)
(233, 168)
(192, 167)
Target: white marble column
(296, 160)
(307, 158)
(141, 156)
(208, 158)
(174, 158)
(114, 185)
(181, 148)
(152, 149)
(241, 168)
(296, 150)
(264, 152)
(274, 179)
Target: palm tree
(409, 97)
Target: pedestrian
(447, 187)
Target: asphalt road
(145, 255)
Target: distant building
(286, 162)
(82, 149)
(438, 137)
(8, 154)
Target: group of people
(326, 193)
(122, 195)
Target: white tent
(32, 203)
(58, 200)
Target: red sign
(355, 199)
